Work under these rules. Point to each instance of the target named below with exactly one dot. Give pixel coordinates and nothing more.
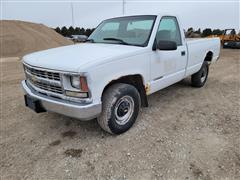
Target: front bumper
(79, 111)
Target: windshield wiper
(116, 39)
(90, 40)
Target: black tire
(200, 77)
(119, 101)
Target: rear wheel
(200, 77)
(121, 104)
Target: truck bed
(199, 39)
(197, 50)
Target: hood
(72, 58)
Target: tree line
(206, 32)
(67, 32)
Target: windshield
(132, 30)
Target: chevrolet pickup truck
(110, 76)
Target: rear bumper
(79, 111)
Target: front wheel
(200, 77)
(121, 104)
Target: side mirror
(167, 45)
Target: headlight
(79, 83)
(75, 81)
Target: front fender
(99, 77)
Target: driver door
(168, 66)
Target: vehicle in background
(78, 38)
(229, 39)
(124, 60)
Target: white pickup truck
(109, 77)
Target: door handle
(183, 53)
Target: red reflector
(84, 86)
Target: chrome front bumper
(79, 111)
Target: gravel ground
(186, 133)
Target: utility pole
(72, 15)
(123, 7)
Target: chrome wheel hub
(124, 110)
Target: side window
(168, 30)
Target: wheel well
(137, 82)
(209, 56)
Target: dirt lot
(186, 133)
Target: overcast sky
(201, 13)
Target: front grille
(43, 73)
(47, 87)
(44, 81)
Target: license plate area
(33, 104)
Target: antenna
(72, 14)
